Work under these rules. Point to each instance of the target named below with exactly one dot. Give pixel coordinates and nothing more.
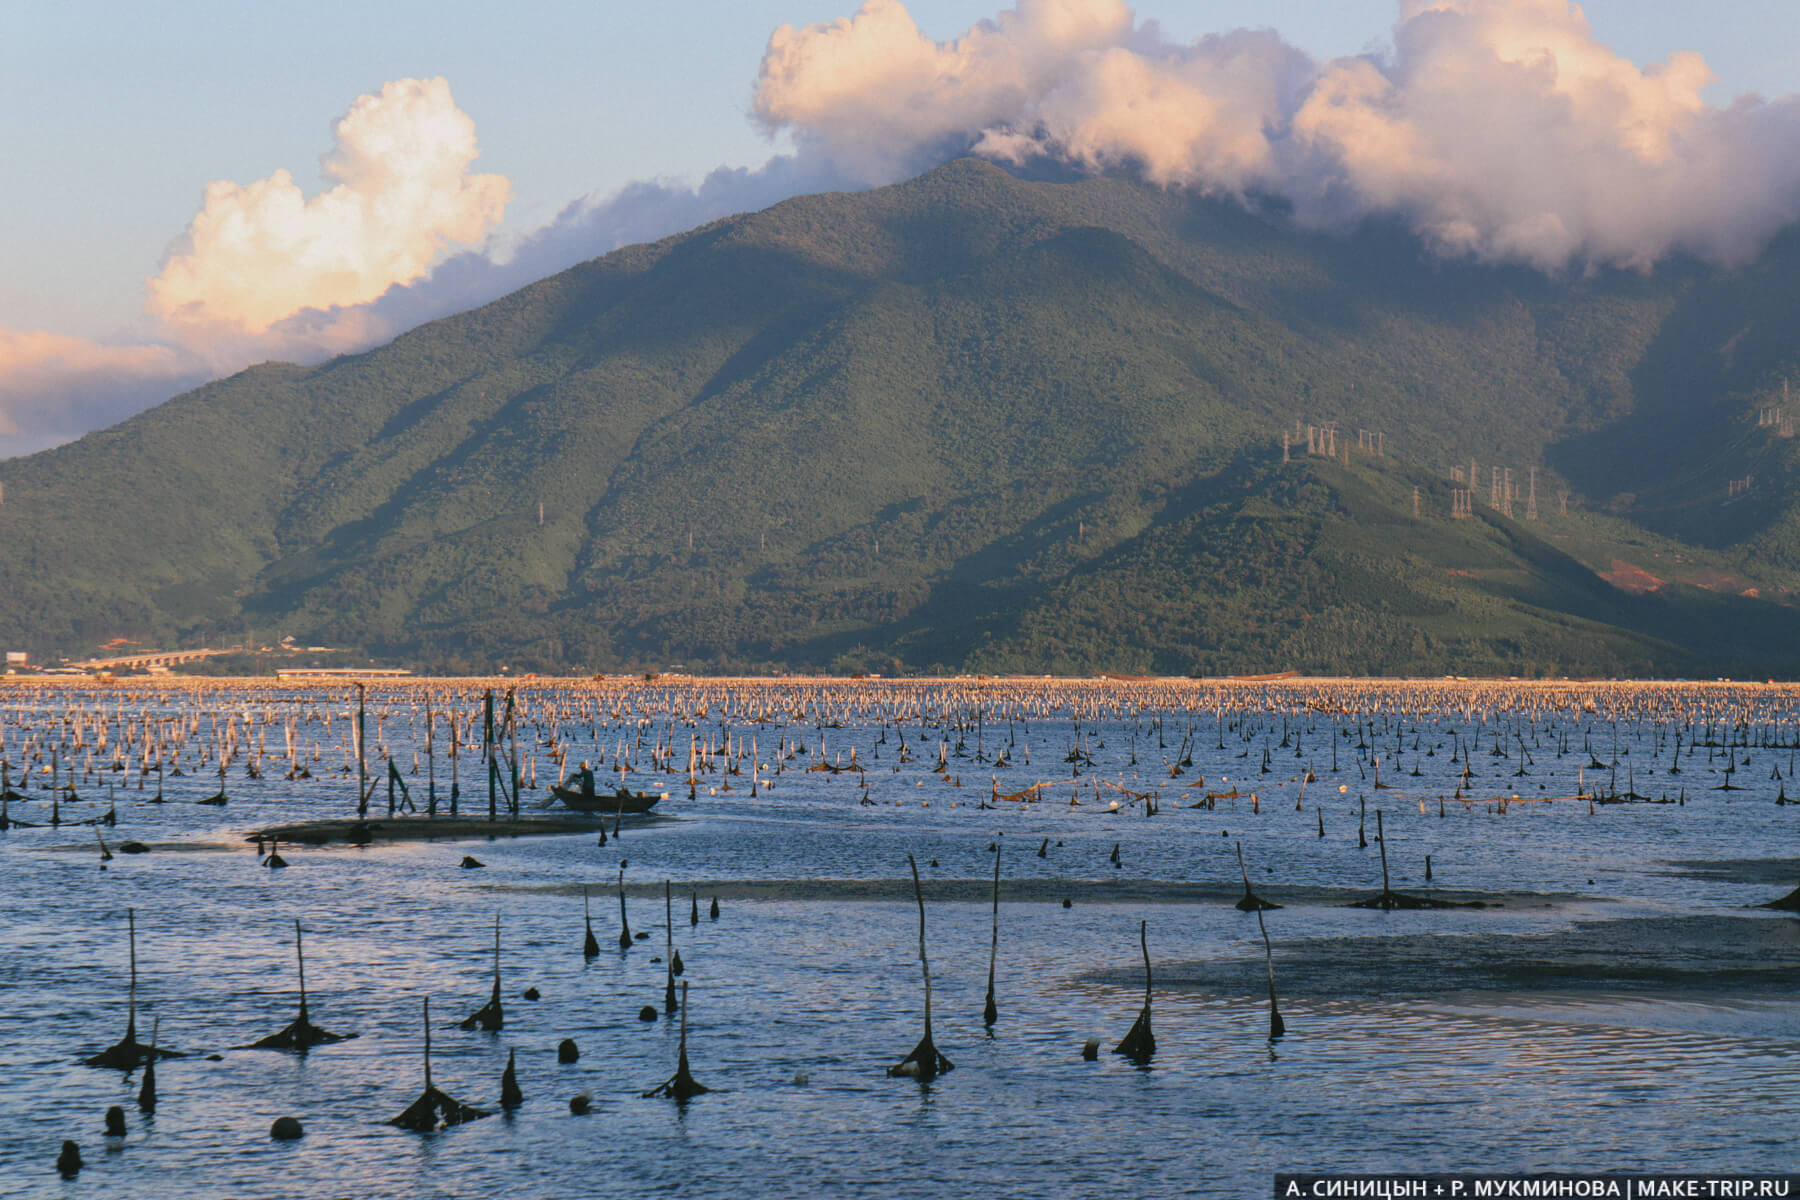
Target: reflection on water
(828, 989)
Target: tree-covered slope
(966, 420)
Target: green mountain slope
(969, 420)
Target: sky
(199, 186)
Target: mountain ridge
(875, 428)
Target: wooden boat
(589, 801)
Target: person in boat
(584, 780)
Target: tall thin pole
(430, 759)
(512, 724)
(487, 750)
(362, 770)
(131, 1002)
(300, 953)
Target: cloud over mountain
(1503, 130)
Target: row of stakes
(435, 1109)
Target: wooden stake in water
(1277, 1027)
(147, 1093)
(924, 1063)
(430, 759)
(301, 1034)
(990, 1012)
(435, 1110)
(682, 1086)
(590, 945)
(1139, 1043)
(490, 1016)
(624, 925)
(669, 948)
(362, 770)
(127, 1053)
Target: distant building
(17, 658)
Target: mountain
(973, 421)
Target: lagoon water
(1616, 1007)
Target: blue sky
(120, 114)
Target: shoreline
(1037, 890)
(449, 829)
(614, 682)
(393, 830)
(1730, 953)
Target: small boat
(622, 801)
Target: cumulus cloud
(265, 272)
(401, 193)
(883, 99)
(1503, 129)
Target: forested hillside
(973, 422)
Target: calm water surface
(798, 1006)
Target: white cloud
(1504, 129)
(402, 193)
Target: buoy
(579, 1105)
(647, 1013)
(286, 1129)
(115, 1122)
(470, 861)
(69, 1161)
(1090, 1050)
